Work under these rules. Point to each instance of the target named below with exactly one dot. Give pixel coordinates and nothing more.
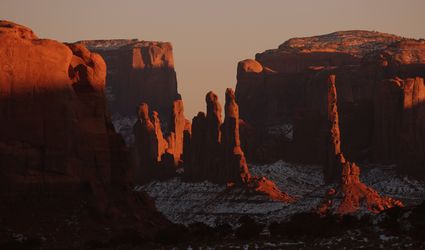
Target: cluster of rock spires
(217, 155)
(354, 193)
(155, 155)
(208, 149)
(380, 96)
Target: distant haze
(210, 37)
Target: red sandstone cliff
(157, 156)
(371, 68)
(59, 155)
(138, 71)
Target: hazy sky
(210, 37)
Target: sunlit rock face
(334, 154)
(176, 134)
(57, 144)
(157, 154)
(52, 107)
(138, 71)
(285, 88)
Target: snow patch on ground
(385, 180)
(184, 202)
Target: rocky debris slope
(64, 170)
(138, 71)
(354, 193)
(284, 88)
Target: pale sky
(210, 37)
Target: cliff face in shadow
(282, 97)
(60, 157)
(354, 194)
(138, 71)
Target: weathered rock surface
(149, 144)
(155, 156)
(58, 147)
(234, 165)
(196, 170)
(335, 49)
(332, 167)
(138, 71)
(176, 135)
(206, 158)
(284, 88)
(412, 134)
(388, 103)
(405, 59)
(354, 193)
